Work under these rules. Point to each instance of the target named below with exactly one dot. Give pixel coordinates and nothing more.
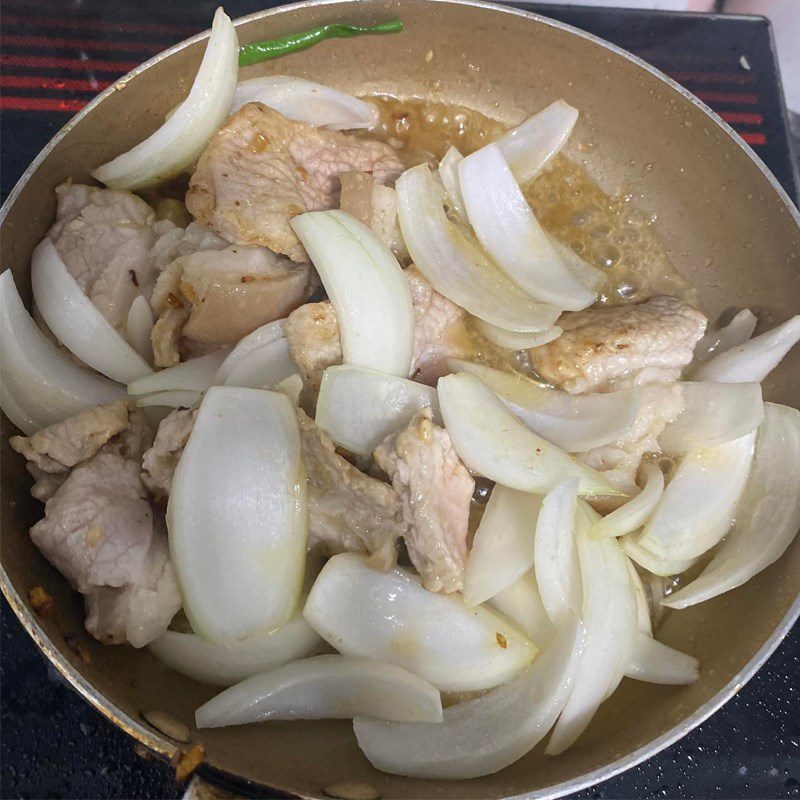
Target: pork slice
(59, 447)
(160, 461)
(173, 242)
(104, 237)
(215, 297)
(619, 461)
(607, 348)
(436, 491)
(314, 342)
(261, 169)
(440, 330)
(348, 510)
(141, 612)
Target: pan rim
(167, 748)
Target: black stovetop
(55, 56)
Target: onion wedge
(495, 444)
(260, 337)
(644, 623)
(181, 139)
(391, 617)
(700, 502)
(511, 234)
(573, 422)
(456, 266)
(367, 288)
(713, 414)
(531, 146)
(41, 385)
(484, 735)
(609, 616)
(752, 361)
(264, 367)
(517, 341)
(591, 277)
(76, 321)
(448, 172)
(522, 605)
(736, 332)
(325, 687)
(767, 517)
(139, 327)
(502, 550)
(238, 544)
(654, 662)
(633, 514)
(658, 565)
(194, 375)
(556, 563)
(358, 408)
(306, 101)
(222, 665)
(185, 398)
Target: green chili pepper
(272, 48)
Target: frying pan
(729, 228)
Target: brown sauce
(606, 230)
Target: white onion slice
(238, 544)
(767, 517)
(139, 327)
(306, 101)
(511, 234)
(76, 321)
(502, 549)
(264, 367)
(16, 412)
(633, 514)
(713, 413)
(325, 687)
(177, 398)
(41, 384)
(224, 665)
(484, 735)
(389, 616)
(664, 566)
(292, 387)
(573, 422)
(556, 563)
(367, 288)
(358, 408)
(609, 616)
(456, 266)
(448, 172)
(736, 332)
(752, 361)
(591, 277)
(491, 441)
(517, 341)
(654, 662)
(531, 146)
(644, 623)
(194, 375)
(181, 139)
(522, 605)
(699, 504)
(264, 335)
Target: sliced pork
(607, 348)
(348, 510)
(261, 169)
(99, 529)
(160, 461)
(436, 491)
(215, 297)
(105, 237)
